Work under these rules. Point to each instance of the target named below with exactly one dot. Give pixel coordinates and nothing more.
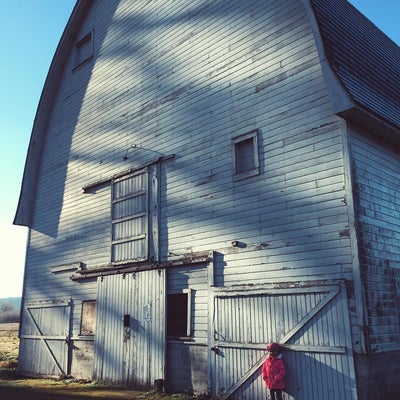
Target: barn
(205, 177)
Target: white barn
(204, 177)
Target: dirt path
(14, 387)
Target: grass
(15, 387)
(9, 345)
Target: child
(273, 372)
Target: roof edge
(342, 102)
(338, 95)
(23, 215)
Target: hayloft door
(45, 345)
(311, 322)
(130, 329)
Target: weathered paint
(44, 344)
(311, 322)
(168, 78)
(376, 172)
(187, 360)
(130, 331)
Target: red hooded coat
(273, 372)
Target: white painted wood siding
(312, 322)
(132, 355)
(376, 171)
(176, 78)
(187, 360)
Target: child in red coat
(273, 371)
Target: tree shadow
(143, 91)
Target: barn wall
(168, 78)
(376, 172)
(310, 322)
(380, 373)
(130, 329)
(187, 359)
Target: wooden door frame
(331, 292)
(45, 338)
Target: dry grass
(9, 345)
(16, 387)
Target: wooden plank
(44, 341)
(291, 347)
(257, 365)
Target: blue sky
(29, 34)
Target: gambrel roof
(361, 67)
(365, 60)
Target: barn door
(45, 346)
(312, 323)
(130, 331)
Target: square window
(88, 318)
(245, 155)
(83, 50)
(178, 314)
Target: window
(88, 318)
(129, 218)
(179, 314)
(245, 155)
(83, 50)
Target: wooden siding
(376, 173)
(131, 352)
(310, 322)
(44, 336)
(250, 65)
(187, 359)
(171, 78)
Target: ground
(16, 387)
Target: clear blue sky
(29, 34)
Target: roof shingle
(366, 61)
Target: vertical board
(376, 171)
(312, 323)
(147, 308)
(130, 338)
(187, 359)
(109, 337)
(44, 345)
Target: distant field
(9, 345)
(10, 328)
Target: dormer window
(83, 50)
(245, 155)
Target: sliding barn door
(312, 323)
(45, 346)
(130, 331)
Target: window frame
(78, 59)
(83, 331)
(253, 135)
(188, 333)
(145, 214)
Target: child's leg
(276, 394)
(272, 394)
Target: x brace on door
(332, 291)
